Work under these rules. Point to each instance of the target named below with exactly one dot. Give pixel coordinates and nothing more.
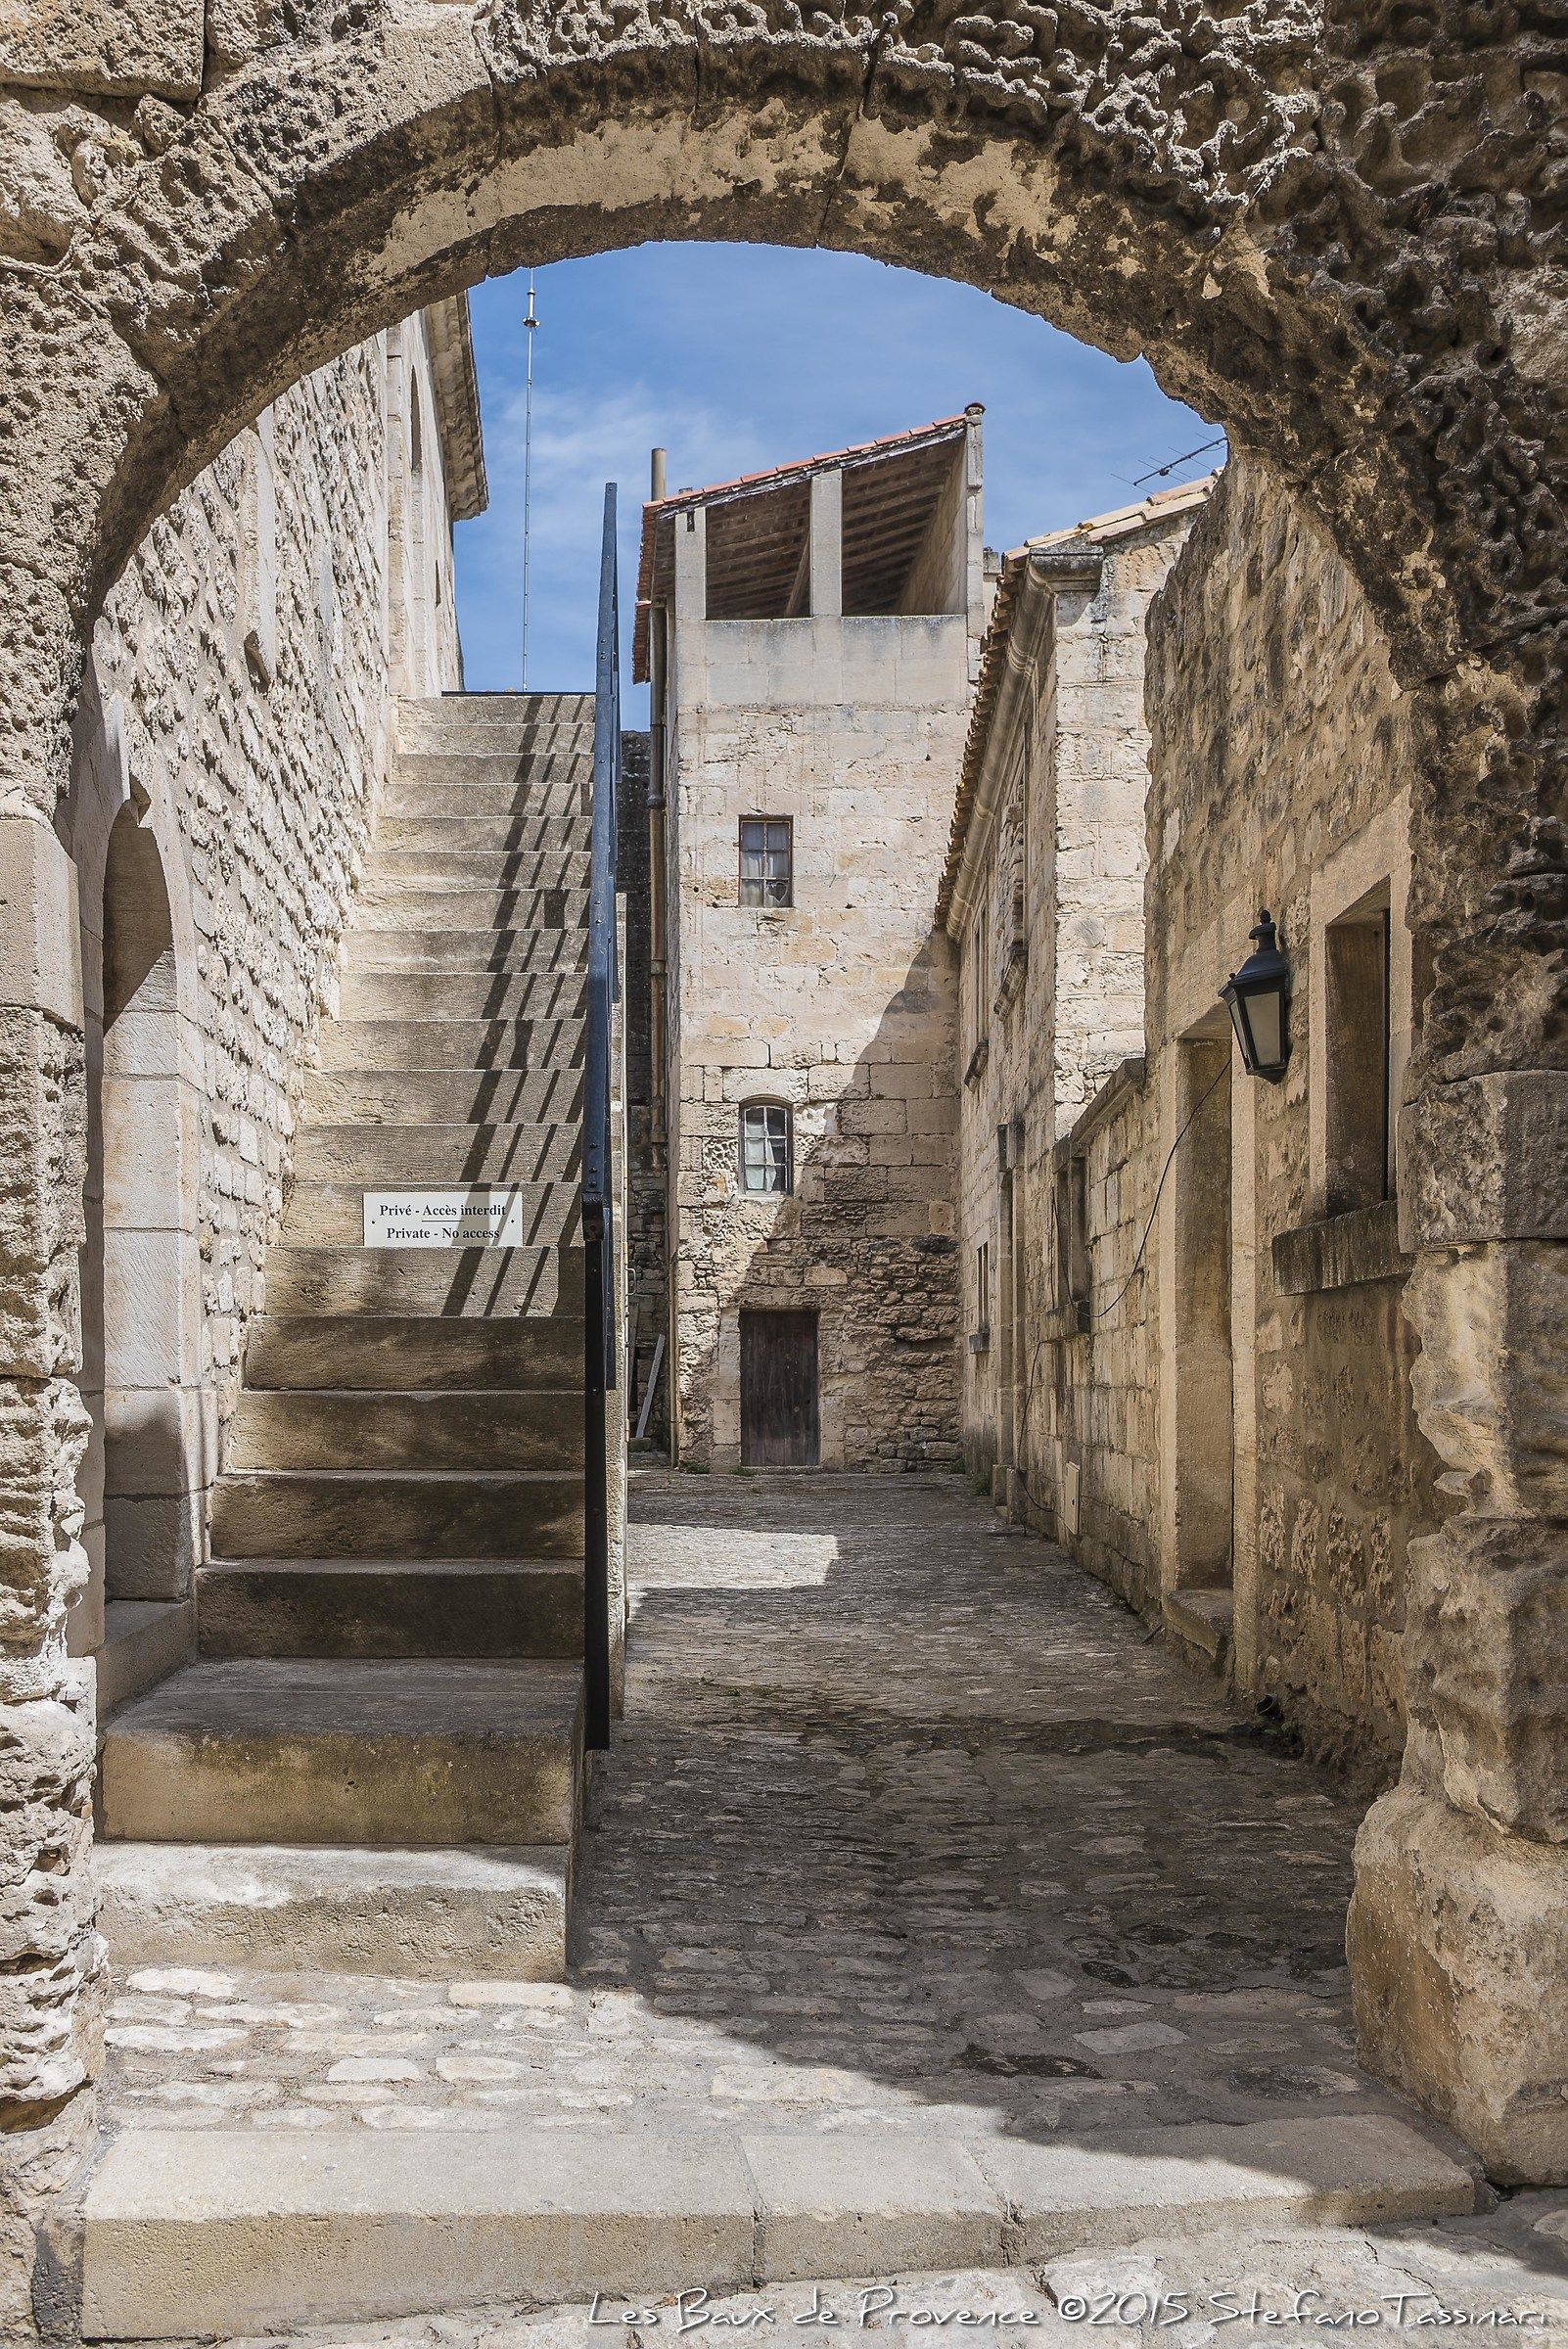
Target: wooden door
(780, 1427)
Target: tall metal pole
(530, 322)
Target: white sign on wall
(479, 1219)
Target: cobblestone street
(909, 1822)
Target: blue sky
(739, 356)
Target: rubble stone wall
(1283, 753)
(839, 1006)
(238, 717)
(1259, 1362)
(1046, 909)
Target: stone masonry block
(1486, 1159)
(1487, 1625)
(1491, 1383)
(112, 48)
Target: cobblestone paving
(909, 1823)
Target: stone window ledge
(1064, 1320)
(980, 1340)
(1341, 1252)
(976, 1061)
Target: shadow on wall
(864, 1241)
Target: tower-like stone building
(810, 634)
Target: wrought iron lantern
(1256, 997)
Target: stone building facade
(1222, 1419)
(810, 636)
(1043, 898)
(232, 746)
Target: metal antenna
(530, 322)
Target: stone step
(440, 1608)
(368, 1427)
(455, 1044)
(428, 1151)
(323, 1215)
(397, 1755)
(548, 1096)
(469, 912)
(235, 2231)
(449, 867)
(455, 949)
(393, 995)
(490, 791)
(397, 1513)
(427, 1916)
(462, 1283)
(366, 1351)
(446, 721)
(503, 835)
(145, 1640)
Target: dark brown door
(778, 1391)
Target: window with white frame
(766, 860)
(765, 1149)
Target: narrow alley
(909, 1826)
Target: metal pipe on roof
(657, 473)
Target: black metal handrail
(598, 1144)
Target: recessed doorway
(780, 1421)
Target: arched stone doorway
(1318, 223)
(151, 1271)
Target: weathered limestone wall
(1281, 767)
(839, 1005)
(1044, 896)
(1232, 1442)
(233, 745)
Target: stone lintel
(1486, 1159)
(103, 48)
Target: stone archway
(1320, 222)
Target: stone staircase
(375, 1760)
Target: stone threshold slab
(225, 2230)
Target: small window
(766, 860)
(1359, 1122)
(764, 1148)
(983, 1287)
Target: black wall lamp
(1256, 997)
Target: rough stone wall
(239, 706)
(1098, 1383)
(1280, 755)
(647, 1299)
(1046, 906)
(839, 1005)
(1283, 752)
